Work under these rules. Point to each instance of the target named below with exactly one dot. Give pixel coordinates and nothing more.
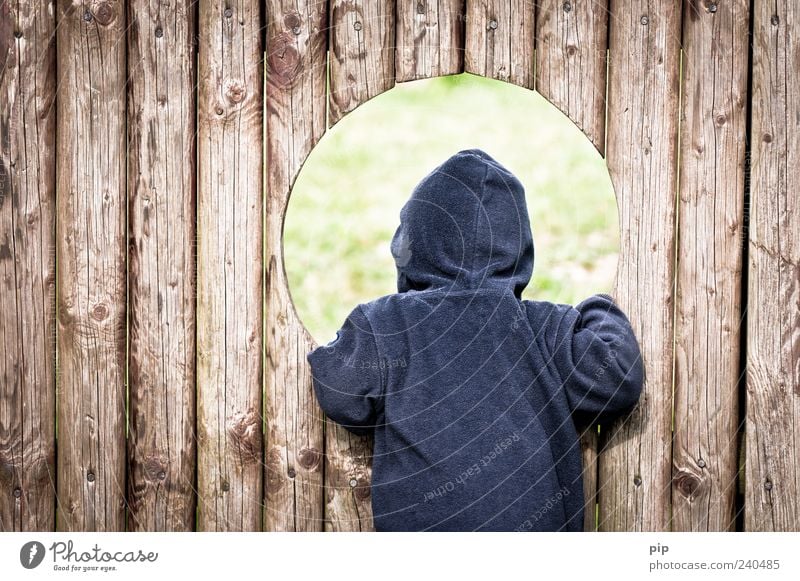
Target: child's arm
(347, 375)
(598, 359)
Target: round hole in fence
(346, 201)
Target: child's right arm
(598, 359)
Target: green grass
(346, 202)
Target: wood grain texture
(362, 61)
(161, 217)
(430, 38)
(296, 100)
(91, 266)
(772, 491)
(571, 38)
(348, 478)
(635, 467)
(710, 217)
(500, 40)
(27, 266)
(589, 451)
(229, 266)
(361, 53)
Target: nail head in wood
(420, 8)
(90, 476)
(87, 16)
(493, 24)
(644, 20)
(296, 30)
(353, 483)
(775, 20)
(228, 13)
(567, 7)
(159, 32)
(637, 480)
(17, 493)
(712, 7)
(357, 25)
(701, 463)
(768, 485)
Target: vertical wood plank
(91, 266)
(772, 491)
(27, 267)
(297, 44)
(500, 40)
(634, 479)
(571, 38)
(710, 215)
(362, 64)
(430, 38)
(361, 53)
(229, 264)
(161, 180)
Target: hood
(465, 226)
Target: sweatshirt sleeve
(598, 359)
(347, 375)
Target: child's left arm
(347, 375)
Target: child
(473, 395)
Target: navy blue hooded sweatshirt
(473, 395)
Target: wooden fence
(152, 365)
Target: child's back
(472, 393)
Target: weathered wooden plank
(27, 267)
(161, 121)
(229, 265)
(571, 38)
(642, 126)
(772, 491)
(362, 62)
(430, 38)
(296, 102)
(361, 53)
(589, 450)
(91, 266)
(500, 40)
(348, 477)
(710, 215)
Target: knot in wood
(283, 61)
(100, 312)
(309, 458)
(235, 91)
(104, 14)
(687, 483)
(292, 20)
(245, 437)
(274, 474)
(362, 491)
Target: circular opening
(346, 202)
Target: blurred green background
(346, 201)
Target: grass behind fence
(346, 202)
